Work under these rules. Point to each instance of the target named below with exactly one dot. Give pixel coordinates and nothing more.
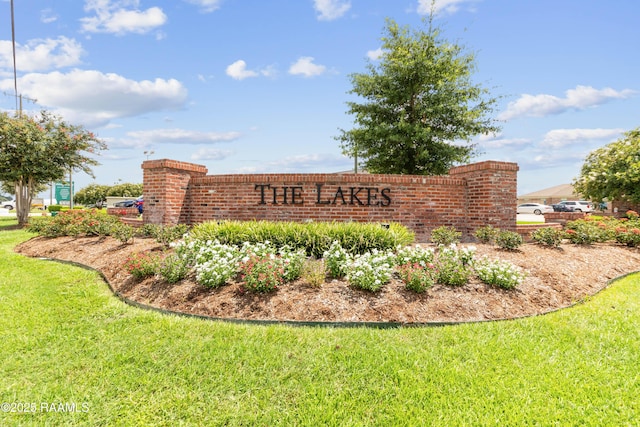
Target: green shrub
(416, 277)
(629, 236)
(54, 208)
(123, 232)
(148, 230)
(548, 236)
(141, 264)
(77, 222)
(173, 268)
(581, 232)
(509, 240)
(37, 224)
(261, 273)
(170, 233)
(486, 234)
(445, 235)
(453, 266)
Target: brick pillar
(166, 190)
(492, 194)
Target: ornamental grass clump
(313, 272)
(416, 277)
(499, 273)
(370, 271)
(445, 236)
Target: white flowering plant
(336, 260)
(213, 262)
(499, 273)
(422, 256)
(371, 270)
(454, 265)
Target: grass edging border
(326, 324)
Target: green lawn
(66, 339)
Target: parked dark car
(125, 204)
(561, 207)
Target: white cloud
(238, 70)
(446, 6)
(576, 99)
(547, 160)
(206, 6)
(563, 137)
(121, 17)
(93, 98)
(504, 143)
(329, 10)
(375, 54)
(305, 66)
(47, 16)
(311, 163)
(211, 154)
(41, 54)
(177, 136)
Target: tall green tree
(421, 108)
(612, 172)
(40, 149)
(91, 194)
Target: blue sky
(252, 86)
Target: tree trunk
(23, 200)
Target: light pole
(149, 153)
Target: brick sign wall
(469, 197)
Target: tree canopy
(94, 193)
(421, 107)
(40, 149)
(612, 172)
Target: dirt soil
(556, 278)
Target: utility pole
(15, 69)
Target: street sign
(63, 194)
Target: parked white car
(534, 208)
(8, 204)
(578, 205)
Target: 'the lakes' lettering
(292, 195)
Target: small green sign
(63, 193)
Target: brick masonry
(469, 197)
